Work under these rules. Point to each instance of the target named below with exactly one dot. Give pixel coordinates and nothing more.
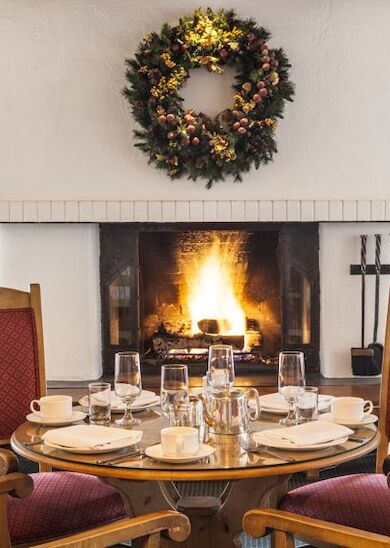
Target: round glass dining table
(147, 485)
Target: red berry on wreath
(175, 47)
(195, 141)
(263, 47)
(241, 130)
(189, 119)
(274, 63)
(263, 92)
(171, 134)
(257, 98)
(236, 125)
(251, 37)
(184, 47)
(237, 114)
(244, 122)
(162, 119)
(186, 141)
(265, 59)
(260, 84)
(223, 53)
(191, 128)
(266, 66)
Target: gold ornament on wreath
(188, 142)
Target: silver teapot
(227, 412)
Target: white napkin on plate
(309, 433)
(138, 402)
(277, 401)
(90, 436)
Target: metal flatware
(357, 439)
(30, 443)
(121, 458)
(261, 449)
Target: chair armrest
(8, 462)
(177, 525)
(16, 484)
(257, 523)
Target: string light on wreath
(187, 142)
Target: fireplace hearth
(170, 290)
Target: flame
(214, 284)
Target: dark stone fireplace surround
(298, 247)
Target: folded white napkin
(277, 401)
(145, 398)
(309, 433)
(138, 402)
(90, 436)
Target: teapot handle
(255, 414)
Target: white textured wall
(341, 293)
(64, 260)
(66, 131)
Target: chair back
(384, 402)
(22, 364)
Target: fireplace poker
(361, 357)
(375, 346)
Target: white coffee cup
(53, 407)
(349, 408)
(180, 441)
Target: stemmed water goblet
(174, 386)
(128, 384)
(291, 383)
(220, 375)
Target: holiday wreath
(188, 142)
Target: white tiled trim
(89, 211)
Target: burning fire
(215, 282)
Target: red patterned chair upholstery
(22, 369)
(78, 500)
(74, 510)
(341, 507)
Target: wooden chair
(343, 511)
(22, 362)
(20, 485)
(80, 501)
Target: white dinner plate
(37, 419)
(368, 418)
(155, 452)
(106, 448)
(150, 398)
(263, 439)
(323, 405)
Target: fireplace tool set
(368, 360)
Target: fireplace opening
(210, 287)
(172, 290)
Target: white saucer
(368, 418)
(155, 452)
(262, 438)
(37, 419)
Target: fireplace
(170, 290)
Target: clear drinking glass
(220, 375)
(174, 386)
(128, 384)
(291, 382)
(181, 414)
(308, 404)
(99, 398)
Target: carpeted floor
(215, 488)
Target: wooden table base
(215, 523)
